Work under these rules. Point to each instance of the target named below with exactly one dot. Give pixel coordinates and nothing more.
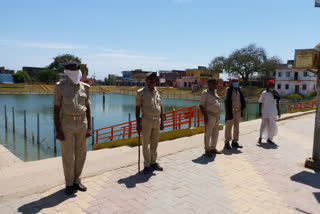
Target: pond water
(117, 109)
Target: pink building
(192, 82)
(87, 80)
(223, 84)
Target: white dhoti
(268, 128)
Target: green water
(116, 110)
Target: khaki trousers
(211, 132)
(73, 153)
(150, 136)
(235, 124)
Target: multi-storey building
(6, 75)
(290, 80)
(195, 78)
(134, 78)
(31, 71)
(167, 78)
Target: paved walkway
(256, 179)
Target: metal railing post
(92, 127)
(190, 115)
(112, 133)
(173, 120)
(198, 117)
(130, 129)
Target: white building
(299, 81)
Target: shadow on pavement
(46, 202)
(317, 196)
(302, 211)
(268, 145)
(310, 179)
(203, 159)
(133, 180)
(231, 151)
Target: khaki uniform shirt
(72, 99)
(210, 101)
(235, 97)
(149, 102)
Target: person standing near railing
(210, 108)
(71, 99)
(148, 99)
(234, 104)
(268, 110)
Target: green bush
(46, 75)
(21, 76)
(313, 94)
(294, 96)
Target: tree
(243, 63)
(46, 75)
(270, 66)
(106, 81)
(60, 61)
(21, 76)
(99, 82)
(217, 65)
(84, 69)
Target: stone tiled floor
(256, 179)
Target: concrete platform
(256, 179)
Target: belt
(151, 117)
(213, 113)
(74, 117)
(236, 109)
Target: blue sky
(115, 35)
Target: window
(287, 86)
(305, 73)
(279, 86)
(296, 75)
(280, 74)
(304, 87)
(288, 74)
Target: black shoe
(156, 167)
(80, 187)
(147, 170)
(270, 141)
(69, 190)
(208, 154)
(227, 145)
(259, 141)
(215, 151)
(236, 144)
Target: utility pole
(314, 161)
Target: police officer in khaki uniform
(148, 100)
(234, 104)
(73, 125)
(210, 108)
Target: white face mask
(75, 76)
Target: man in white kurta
(268, 111)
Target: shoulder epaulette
(85, 84)
(61, 82)
(139, 90)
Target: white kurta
(268, 128)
